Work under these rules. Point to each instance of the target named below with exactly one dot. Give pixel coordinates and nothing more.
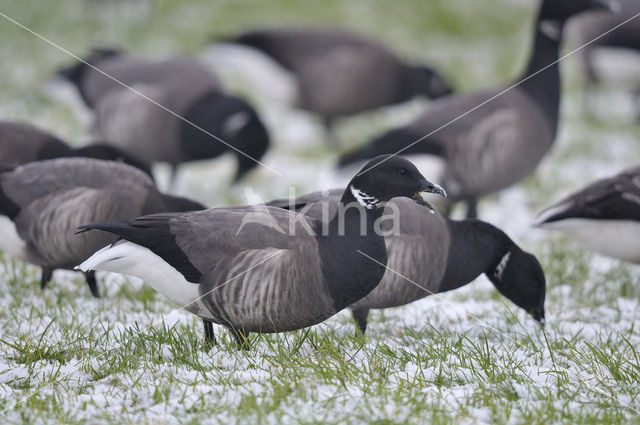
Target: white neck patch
(552, 29)
(501, 266)
(369, 202)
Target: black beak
(427, 186)
(538, 315)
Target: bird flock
(291, 263)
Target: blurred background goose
(21, 143)
(603, 217)
(430, 253)
(42, 203)
(212, 123)
(595, 25)
(490, 147)
(339, 73)
(252, 276)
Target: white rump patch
(501, 266)
(129, 258)
(369, 202)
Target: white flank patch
(367, 201)
(10, 241)
(501, 266)
(135, 260)
(613, 238)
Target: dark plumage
(340, 73)
(22, 143)
(263, 269)
(130, 121)
(429, 254)
(603, 217)
(501, 142)
(42, 203)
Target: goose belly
(613, 238)
(269, 290)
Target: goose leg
(209, 337)
(45, 277)
(472, 208)
(241, 338)
(360, 316)
(92, 283)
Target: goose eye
(402, 171)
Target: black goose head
(111, 153)
(386, 177)
(562, 10)
(519, 277)
(427, 81)
(230, 119)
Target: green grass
(465, 357)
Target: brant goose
(252, 276)
(341, 73)
(429, 254)
(42, 203)
(603, 217)
(21, 143)
(486, 147)
(136, 124)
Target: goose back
(338, 73)
(39, 179)
(21, 143)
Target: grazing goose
(429, 254)
(22, 143)
(340, 73)
(130, 121)
(501, 142)
(253, 276)
(603, 217)
(42, 203)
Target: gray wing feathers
(417, 258)
(492, 147)
(250, 263)
(49, 224)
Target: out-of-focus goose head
(389, 176)
(232, 121)
(519, 277)
(429, 82)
